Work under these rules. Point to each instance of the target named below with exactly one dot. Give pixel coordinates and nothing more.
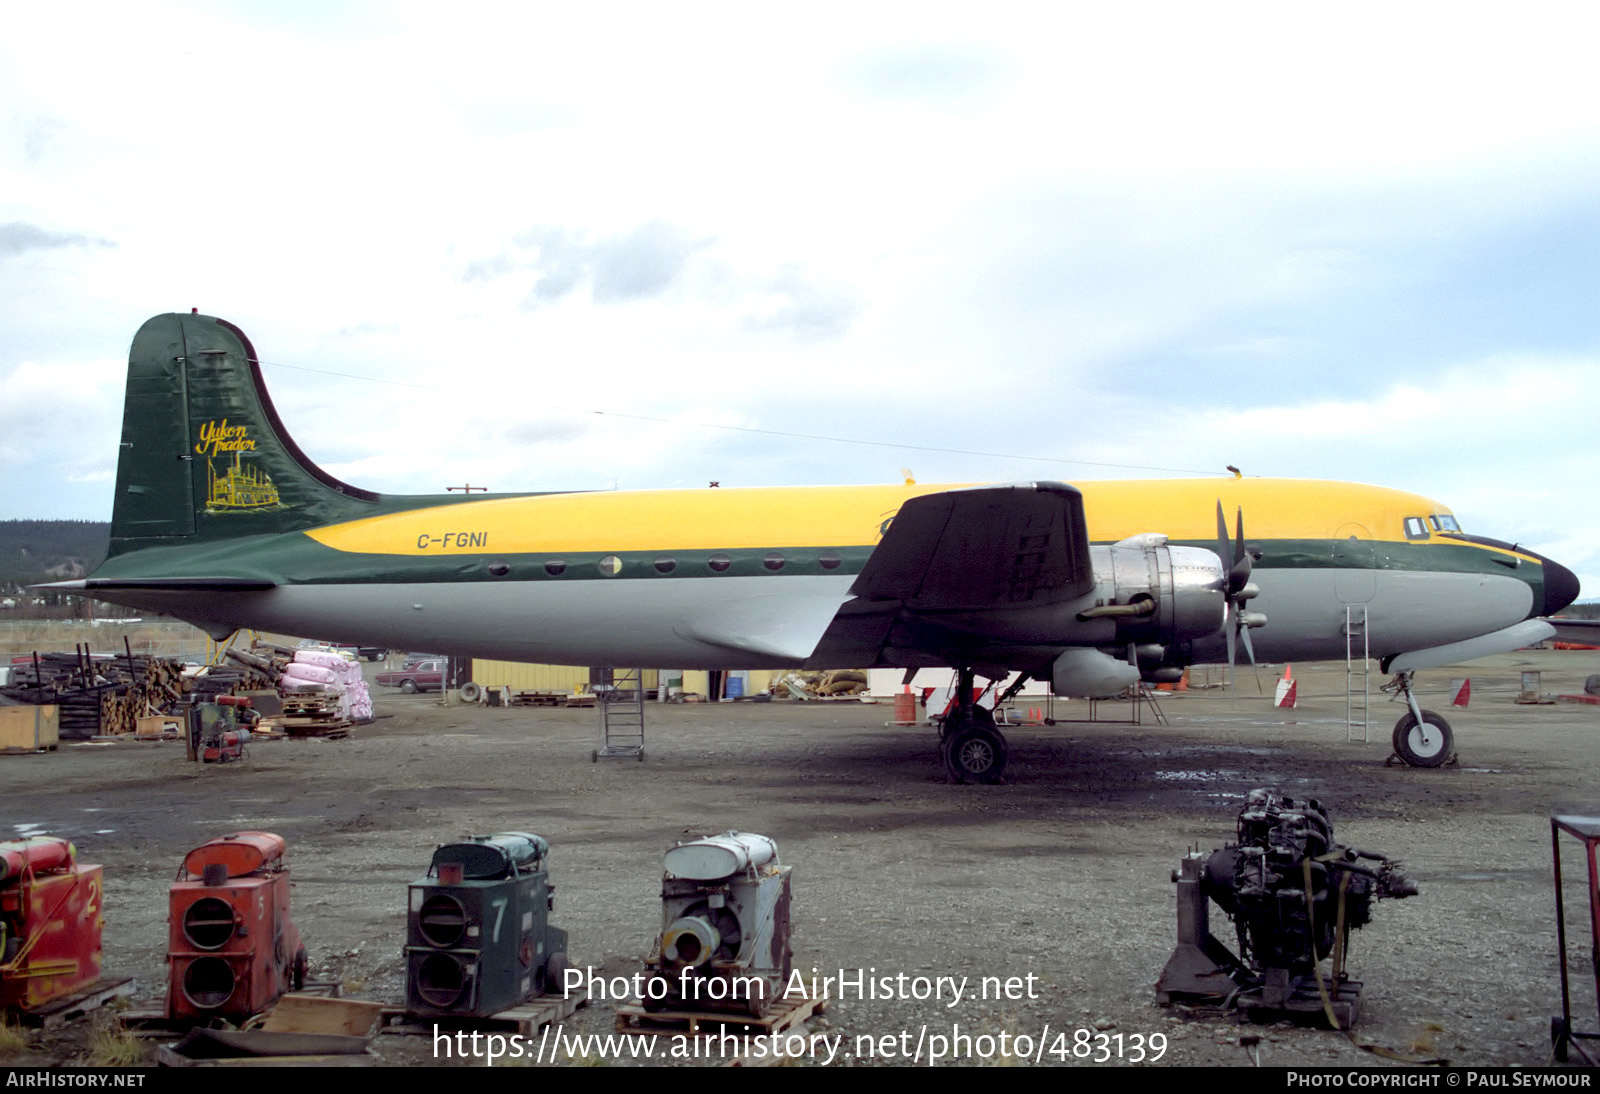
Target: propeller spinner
(1239, 587)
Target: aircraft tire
(1419, 748)
(471, 692)
(975, 754)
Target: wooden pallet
(539, 698)
(153, 1022)
(526, 1020)
(75, 1006)
(168, 1056)
(298, 726)
(785, 1014)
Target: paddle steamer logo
(232, 485)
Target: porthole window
(666, 564)
(830, 560)
(610, 566)
(719, 562)
(773, 560)
(499, 569)
(555, 566)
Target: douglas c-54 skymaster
(220, 519)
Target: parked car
(422, 676)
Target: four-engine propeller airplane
(222, 520)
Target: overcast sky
(1064, 241)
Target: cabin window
(830, 560)
(1444, 522)
(773, 561)
(666, 564)
(555, 566)
(610, 566)
(1416, 528)
(499, 569)
(719, 562)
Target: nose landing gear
(1421, 737)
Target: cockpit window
(1416, 528)
(1444, 522)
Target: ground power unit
(232, 949)
(724, 942)
(50, 922)
(478, 933)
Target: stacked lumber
(256, 669)
(99, 694)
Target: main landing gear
(973, 749)
(1421, 737)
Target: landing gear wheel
(1426, 745)
(975, 754)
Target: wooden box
(30, 727)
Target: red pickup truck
(422, 676)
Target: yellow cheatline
(684, 520)
(839, 516)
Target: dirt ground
(1061, 874)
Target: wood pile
(98, 694)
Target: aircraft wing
(989, 547)
(951, 566)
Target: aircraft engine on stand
(724, 941)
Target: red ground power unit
(50, 922)
(231, 947)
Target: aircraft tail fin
(204, 455)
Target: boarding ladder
(620, 702)
(1357, 684)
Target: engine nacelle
(1145, 592)
(1178, 592)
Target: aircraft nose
(1560, 586)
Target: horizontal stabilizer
(176, 584)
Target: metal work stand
(621, 707)
(1563, 1034)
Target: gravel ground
(1061, 875)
